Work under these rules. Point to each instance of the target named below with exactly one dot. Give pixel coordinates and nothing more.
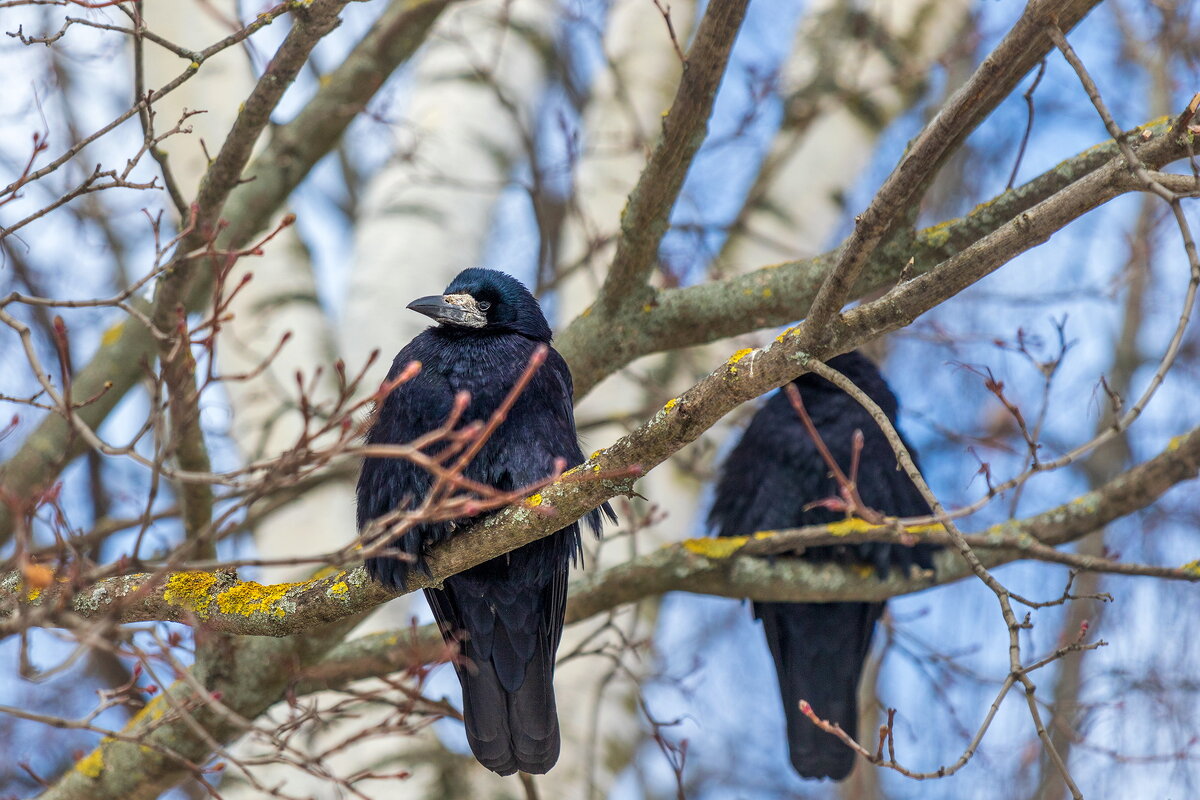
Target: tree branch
(729, 567)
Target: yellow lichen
(151, 712)
(848, 526)
(253, 598)
(721, 547)
(937, 235)
(933, 527)
(92, 764)
(339, 588)
(980, 207)
(1175, 443)
(587, 312)
(785, 334)
(767, 292)
(674, 401)
(33, 595)
(736, 357)
(739, 355)
(863, 570)
(595, 454)
(112, 334)
(647, 308)
(533, 500)
(1192, 568)
(190, 590)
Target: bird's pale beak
(451, 309)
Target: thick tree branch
(647, 213)
(730, 567)
(596, 344)
(1019, 52)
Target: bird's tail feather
(819, 650)
(512, 730)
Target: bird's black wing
(411, 410)
(768, 479)
(512, 607)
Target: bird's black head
(485, 300)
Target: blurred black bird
(507, 613)
(773, 473)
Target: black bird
(773, 473)
(507, 613)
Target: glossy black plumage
(510, 608)
(765, 483)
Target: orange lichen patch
(190, 590)
(91, 765)
(37, 576)
(249, 598)
(717, 547)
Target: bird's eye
(484, 305)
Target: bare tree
(214, 213)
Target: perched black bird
(506, 613)
(768, 479)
